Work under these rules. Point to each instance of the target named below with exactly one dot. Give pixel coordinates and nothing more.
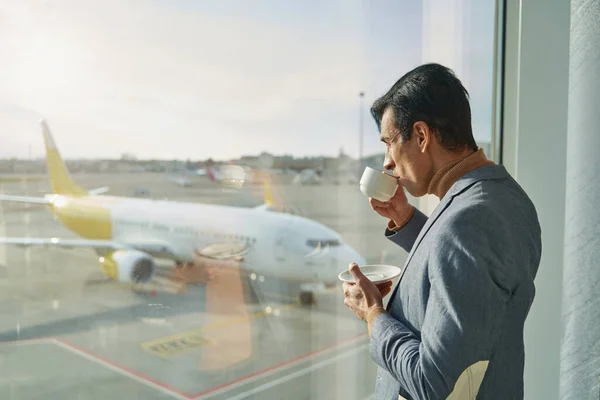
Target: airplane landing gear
(193, 273)
(306, 298)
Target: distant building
(374, 161)
(128, 157)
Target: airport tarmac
(68, 332)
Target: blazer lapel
(458, 188)
(430, 221)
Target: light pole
(361, 96)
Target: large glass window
(175, 226)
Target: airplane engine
(128, 266)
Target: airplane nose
(352, 256)
(340, 260)
(359, 259)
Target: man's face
(405, 159)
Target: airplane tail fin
(268, 202)
(59, 175)
(268, 195)
(211, 174)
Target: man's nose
(388, 163)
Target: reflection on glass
(189, 242)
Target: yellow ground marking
(267, 295)
(176, 345)
(296, 298)
(183, 342)
(332, 289)
(187, 341)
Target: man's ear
(423, 135)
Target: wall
(534, 143)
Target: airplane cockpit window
(179, 188)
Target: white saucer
(376, 273)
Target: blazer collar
(488, 172)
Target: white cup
(378, 185)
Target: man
(453, 327)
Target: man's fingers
(384, 284)
(356, 273)
(347, 288)
(384, 288)
(377, 204)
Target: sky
(191, 79)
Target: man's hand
(363, 297)
(398, 209)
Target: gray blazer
(454, 326)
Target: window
(157, 100)
(315, 243)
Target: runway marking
(277, 368)
(3, 258)
(177, 394)
(25, 342)
(180, 395)
(186, 341)
(175, 345)
(145, 380)
(298, 373)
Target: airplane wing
(264, 207)
(24, 199)
(11, 179)
(45, 200)
(98, 191)
(216, 251)
(56, 242)
(156, 249)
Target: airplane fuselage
(279, 244)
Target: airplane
(129, 234)
(232, 176)
(307, 177)
(181, 181)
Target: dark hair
(433, 94)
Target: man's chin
(415, 192)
